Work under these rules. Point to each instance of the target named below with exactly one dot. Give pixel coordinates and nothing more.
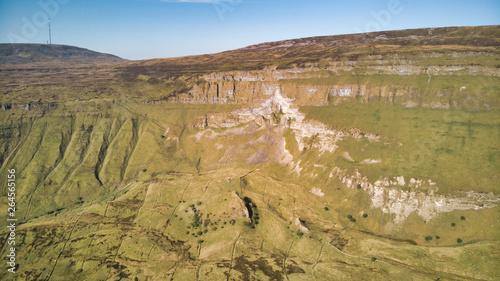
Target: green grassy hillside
(355, 157)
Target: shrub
(374, 258)
(199, 233)
(214, 228)
(358, 186)
(247, 224)
(353, 219)
(200, 241)
(349, 216)
(428, 238)
(437, 237)
(462, 218)
(459, 240)
(326, 209)
(452, 224)
(365, 216)
(300, 233)
(232, 222)
(198, 203)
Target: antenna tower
(50, 34)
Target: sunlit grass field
(458, 149)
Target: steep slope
(353, 157)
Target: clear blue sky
(141, 29)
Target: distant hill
(44, 53)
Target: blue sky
(141, 29)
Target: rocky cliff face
(411, 83)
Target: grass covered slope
(354, 157)
(185, 227)
(460, 148)
(121, 193)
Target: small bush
(462, 218)
(198, 203)
(349, 216)
(459, 240)
(437, 237)
(365, 216)
(214, 228)
(358, 186)
(428, 238)
(452, 224)
(300, 233)
(199, 233)
(200, 241)
(374, 258)
(326, 209)
(249, 225)
(232, 222)
(353, 220)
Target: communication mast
(50, 35)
